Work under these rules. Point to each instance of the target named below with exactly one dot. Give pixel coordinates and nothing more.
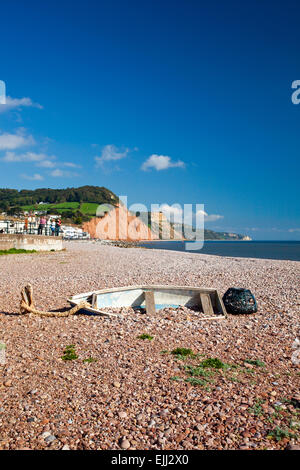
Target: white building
(70, 232)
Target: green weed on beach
(278, 434)
(255, 362)
(145, 336)
(89, 360)
(69, 353)
(202, 373)
(14, 251)
(183, 353)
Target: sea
(283, 250)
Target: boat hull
(163, 296)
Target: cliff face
(118, 224)
(162, 229)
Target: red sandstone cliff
(118, 224)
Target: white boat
(153, 298)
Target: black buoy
(238, 301)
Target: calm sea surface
(255, 249)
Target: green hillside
(46, 207)
(25, 197)
(75, 205)
(66, 209)
(88, 208)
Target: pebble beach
(124, 392)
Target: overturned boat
(152, 298)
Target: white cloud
(57, 173)
(14, 141)
(161, 162)
(71, 165)
(211, 217)
(35, 177)
(110, 153)
(292, 230)
(175, 210)
(12, 157)
(63, 174)
(47, 164)
(41, 160)
(17, 103)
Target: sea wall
(30, 242)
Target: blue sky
(162, 101)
